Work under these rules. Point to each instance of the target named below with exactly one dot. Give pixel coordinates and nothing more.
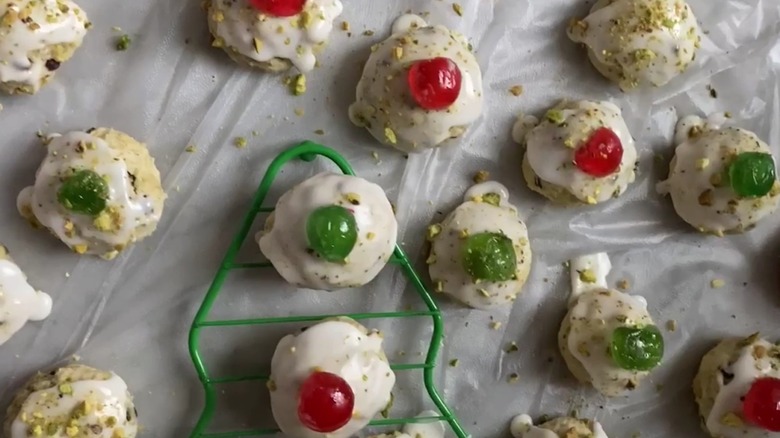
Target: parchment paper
(171, 90)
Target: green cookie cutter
(308, 151)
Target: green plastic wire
(307, 151)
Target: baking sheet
(172, 90)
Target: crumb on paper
(345, 26)
(123, 42)
(481, 176)
(298, 85)
(375, 156)
(671, 325)
(512, 347)
(240, 142)
(454, 363)
(727, 114)
(458, 9)
(513, 378)
(190, 148)
(320, 132)
(299, 112)
(368, 32)
(495, 325)
(623, 284)
(516, 90)
(717, 283)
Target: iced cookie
(480, 253)
(607, 338)
(272, 35)
(581, 152)
(73, 401)
(19, 302)
(721, 180)
(737, 389)
(97, 191)
(330, 380)
(330, 232)
(36, 37)
(639, 42)
(434, 429)
(562, 427)
(420, 87)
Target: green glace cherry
(332, 232)
(752, 174)
(489, 257)
(83, 192)
(637, 348)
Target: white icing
(522, 426)
(384, 104)
(286, 246)
(262, 37)
(702, 159)
(638, 42)
(50, 22)
(597, 264)
(407, 22)
(746, 369)
(341, 347)
(474, 217)
(19, 302)
(432, 429)
(109, 398)
(80, 150)
(553, 161)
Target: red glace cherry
(435, 83)
(601, 154)
(761, 405)
(279, 8)
(325, 402)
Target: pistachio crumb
(123, 43)
(495, 325)
(513, 378)
(481, 176)
(345, 26)
(433, 231)
(299, 85)
(516, 90)
(299, 112)
(239, 142)
(702, 163)
(587, 276)
(458, 9)
(717, 283)
(512, 347)
(623, 284)
(671, 325)
(454, 363)
(190, 148)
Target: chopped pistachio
(189, 148)
(587, 276)
(123, 43)
(454, 363)
(671, 325)
(492, 199)
(495, 325)
(458, 9)
(516, 90)
(481, 176)
(623, 284)
(433, 231)
(512, 347)
(258, 45)
(555, 116)
(513, 378)
(345, 26)
(390, 136)
(299, 85)
(717, 283)
(299, 112)
(239, 142)
(702, 163)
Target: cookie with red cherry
(737, 389)
(580, 152)
(272, 35)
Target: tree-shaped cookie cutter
(307, 151)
